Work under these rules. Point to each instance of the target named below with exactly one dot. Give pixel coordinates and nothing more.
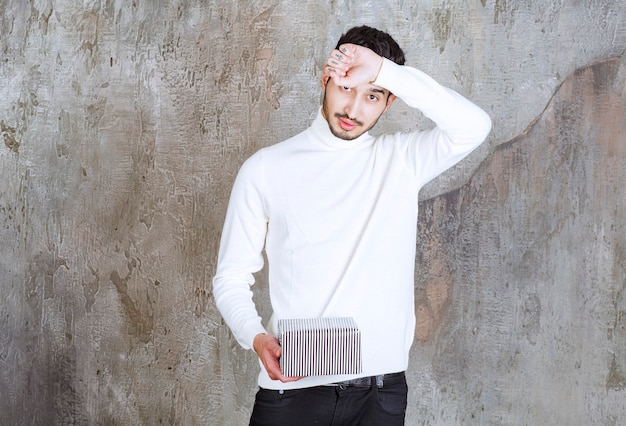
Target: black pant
(366, 405)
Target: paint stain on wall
(41, 272)
(441, 24)
(616, 380)
(9, 136)
(531, 322)
(90, 289)
(140, 323)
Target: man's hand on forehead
(352, 65)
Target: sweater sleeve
(461, 126)
(240, 254)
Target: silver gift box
(319, 346)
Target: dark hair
(378, 41)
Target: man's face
(350, 112)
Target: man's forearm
(235, 304)
(459, 118)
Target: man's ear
(390, 100)
(325, 80)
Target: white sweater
(338, 222)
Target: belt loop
(374, 386)
(380, 380)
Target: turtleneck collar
(321, 133)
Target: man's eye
(346, 88)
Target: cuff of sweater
(386, 74)
(246, 339)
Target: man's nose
(352, 108)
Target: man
(335, 210)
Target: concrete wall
(123, 126)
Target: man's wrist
(255, 341)
(380, 65)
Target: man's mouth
(347, 124)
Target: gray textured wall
(123, 126)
